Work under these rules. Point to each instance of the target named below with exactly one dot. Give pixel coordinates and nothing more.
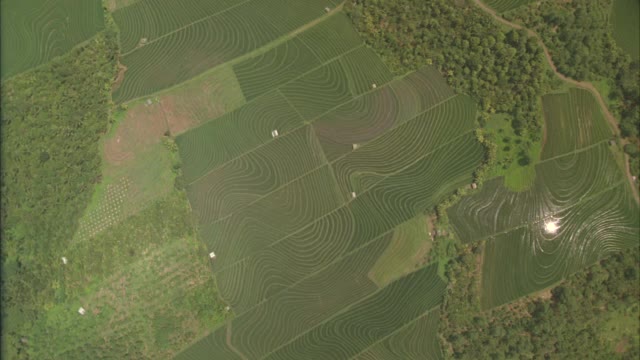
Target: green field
(322, 224)
(165, 42)
(626, 28)
(578, 186)
(36, 31)
(248, 179)
(418, 340)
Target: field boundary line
(289, 103)
(304, 122)
(228, 334)
(330, 164)
(258, 51)
(319, 270)
(530, 223)
(424, 314)
(197, 339)
(348, 307)
(188, 25)
(346, 204)
(334, 160)
(573, 152)
(57, 57)
(527, 295)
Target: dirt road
(613, 123)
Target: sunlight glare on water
(551, 226)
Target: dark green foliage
(503, 70)
(578, 35)
(52, 119)
(632, 150)
(583, 317)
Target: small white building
(82, 311)
(355, 146)
(373, 86)
(353, 194)
(212, 255)
(227, 308)
(64, 260)
(327, 9)
(274, 133)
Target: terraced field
(166, 42)
(573, 121)
(36, 31)
(418, 340)
(578, 210)
(299, 220)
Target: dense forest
(591, 315)
(578, 35)
(52, 119)
(504, 70)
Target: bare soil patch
(191, 107)
(143, 125)
(621, 346)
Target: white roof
(212, 255)
(82, 311)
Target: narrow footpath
(613, 123)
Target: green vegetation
(514, 158)
(503, 70)
(506, 5)
(373, 318)
(145, 283)
(298, 221)
(418, 340)
(51, 163)
(133, 259)
(624, 23)
(409, 249)
(187, 38)
(273, 111)
(578, 186)
(592, 314)
(189, 104)
(573, 120)
(277, 183)
(578, 35)
(36, 31)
